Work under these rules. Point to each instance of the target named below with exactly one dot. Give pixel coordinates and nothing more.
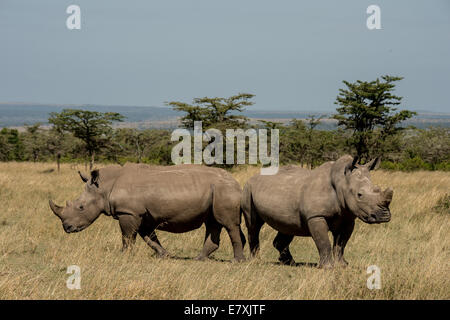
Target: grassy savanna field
(412, 251)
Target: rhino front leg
(129, 226)
(341, 237)
(318, 228)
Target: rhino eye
(359, 195)
(81, 207)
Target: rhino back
(288, 199)
(276, 198)
(219, 175)
(178, 197)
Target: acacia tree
(293, 144)
(302, 142)
(91, 127)
(217, 113)
(368, 110)
(214, 111)
(32, 140)
(271, 124)
(55, 144)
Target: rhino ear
(83, 177)
(95, 175)
(374, 164)
(355, 161)
(351, 166)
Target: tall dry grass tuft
(412, 250)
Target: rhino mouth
(72, 229)
(378, 217)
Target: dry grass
(412, 250)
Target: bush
(389, 165)
(443, 166)
(412, 164)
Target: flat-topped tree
(215, 112)
(92, 127)
(368, 110)
(271, 124)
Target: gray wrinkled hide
(147, 198)
(302, 202)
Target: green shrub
(411, 164)
(389, 165)
(415, 163)
(443, 166)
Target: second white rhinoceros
(301, 202)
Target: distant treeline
(300, 143)
(369, 125)
(18, 115)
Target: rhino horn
(388, 193)
(83, 177)
(374, 164)
(57, 210)
(350, 167)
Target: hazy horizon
(292, 55)
(249, 108)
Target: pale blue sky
(292, 54)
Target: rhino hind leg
(226, 210)
(281, 243)
(149, 236)
(147, 231)
(235, 233)
(212, 238)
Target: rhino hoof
(326, 266)
(200, 258)
(287, 261)
(241, 259)
(163, 255)
(341, 263)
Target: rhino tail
(252, 219)
(221, 207)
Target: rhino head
(366, 200)
(82, 212)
